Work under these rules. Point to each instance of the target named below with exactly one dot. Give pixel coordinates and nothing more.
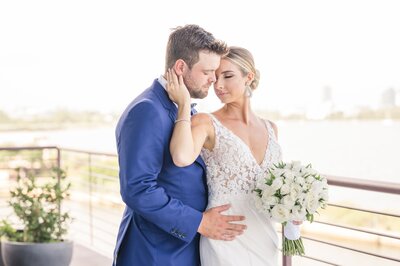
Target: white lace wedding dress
(232, 172)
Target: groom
(165, 204)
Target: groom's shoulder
(146, 102)
(146, 97)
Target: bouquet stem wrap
(292, 243)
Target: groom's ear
(179, 67)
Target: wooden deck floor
(84, 256)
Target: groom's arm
(141, 150)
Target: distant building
(323, 108)
(388, 98)
(327, 95)
(397, 102)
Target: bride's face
(231, 83)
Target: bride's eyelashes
(224, 77)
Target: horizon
(87, 55)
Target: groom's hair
(186, 42)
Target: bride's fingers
(171, 77)
(181, 80)
(174, 78)
(168, 76)
(170, 81)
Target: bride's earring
(248, 92)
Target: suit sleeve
(141, 151)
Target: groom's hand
(218, 226)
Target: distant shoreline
(34, 126)
(50, 127)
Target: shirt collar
(163, 83)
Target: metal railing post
(286, 260)
(58, 171)
(90, 199)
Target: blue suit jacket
(164, 203)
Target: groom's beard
(198, 94)
(196, 91)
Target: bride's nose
(218, 85)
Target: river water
(359, 149)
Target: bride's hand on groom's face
(218, 226)
(176, 88)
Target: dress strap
(217, 124)
(271, 131)
(217, 130)
(214, 119)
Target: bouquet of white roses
(291, 192)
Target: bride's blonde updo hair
(244, 59)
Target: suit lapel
(165, 100)
(172, 111)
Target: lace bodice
(231, 167)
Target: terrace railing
(348, 232)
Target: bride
(238, 147)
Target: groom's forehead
(207, 61)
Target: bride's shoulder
(201, 119)
(202, 122)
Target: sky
(99, 55)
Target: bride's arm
(189, 135)
(188, 139)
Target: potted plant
(37, 237)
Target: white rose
(277, 183)
(299, 180)
(279, 213)
(301, 199)
(278, 172)
(316, 187)
(258, 203)
(310, 171)
(269, 176)
(289, 175)
(295, 191)
(310, 179)
(298, 213)
(324, 182)
(324, 195)
(296, 166)
(261, 184)
(311, 203)
(288, 202)
(285, 189)
(269, 200)
(287, 166)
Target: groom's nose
(212, 78)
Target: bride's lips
(220, 93)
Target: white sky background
(100, 54)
